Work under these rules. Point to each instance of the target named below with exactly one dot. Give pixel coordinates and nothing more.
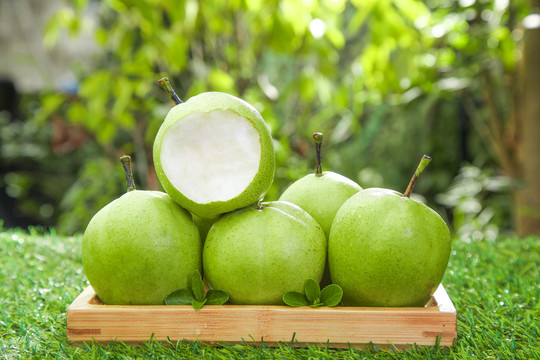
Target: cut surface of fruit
(214, 154)
(211, 156)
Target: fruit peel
(387, 250)
(132, 259)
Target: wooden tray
(88, 320)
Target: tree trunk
(528, 197)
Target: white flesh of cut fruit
(211, 156)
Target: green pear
(321, 194)
(258, 253)
(214, 154)
(140, 247)
(204, 225)
(386, 249)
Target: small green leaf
(293, 298)
(216, 297)
(197, 286)
(197, 305)
(179, 297)
(312, 290)
(331, 295)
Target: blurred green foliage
(480, 200)
(50, 188)
(386, 81)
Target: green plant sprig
(196, 296)
(313, 296)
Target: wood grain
(89, 320)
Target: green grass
(494, 286)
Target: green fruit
(214, 154)
(386, 249)
(321, 194)
(139, 248)
(257, 254)
(204, 225)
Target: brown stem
(166, 85)
(318, 138)
(126, 163)
(421, 166)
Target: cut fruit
(220, 137)
(214, 154)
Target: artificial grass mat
(494, 286)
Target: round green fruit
(139, 248)
(204, 225)
(321, 195)
(214, 154)
(386, 249)
(257, 254)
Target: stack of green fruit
(214, 157)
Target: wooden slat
(89, 320)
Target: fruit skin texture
(387, 250)
(207, 102)
(204, 225)
(139, 248)
(258, 255)
(321, 195)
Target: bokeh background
(385, 81)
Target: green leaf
(293, 298)
(197, 305)
(216, 297)
(49, 105)
(106, 133)
(220, 80)
(336, 37)
(331, 295)
(197, 286)
(179, 297)
(312, 290)
(63, 18)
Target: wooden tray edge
(85, 322)
(440, 302)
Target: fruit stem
(421, 166)
(318, 138)
(166, 85)
(126, 162)
(260, 205)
